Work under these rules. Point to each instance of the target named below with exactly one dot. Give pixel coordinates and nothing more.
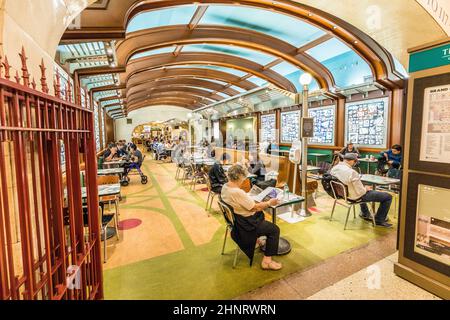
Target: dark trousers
(217, 189)
(385, 200)
(272, 232)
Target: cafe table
(368, 161)
(374, 181)
(284, 246)
(105, 190)
(317, 156)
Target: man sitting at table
(345, 173)
(391, 159)
(249, 219)
(217, 175)
(111, 153)
(256, 166)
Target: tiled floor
(377, 282)
(174, 253)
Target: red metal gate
(49, 234)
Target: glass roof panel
(294, 78)
(238, 89)
(289, 29)
(213, 67)
(163, 17)
(258, 81)
(347, 67)
(152, 52)
(241, 52)
(285, 68)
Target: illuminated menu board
(324, 125)
(366, 123)
(290, 126)
(268, 128)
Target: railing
(49, 248)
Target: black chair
(340, 195)
(228, 214)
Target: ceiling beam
(192, 72)
(224, 60)
(160, 37)
(182, 81)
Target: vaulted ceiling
(144, 53)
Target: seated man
(249, 219)
(256, 166)
(391, 158)
(111, 153)
(217, 175)
(357, 191)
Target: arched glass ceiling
(238, 89)
(152, 52)
(289, 29)
(258, 81)
(252, 55)
(347, 67)
(163, 17)
(292, 73)
(235, 72)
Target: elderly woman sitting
(249, 219)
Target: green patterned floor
(200, 272)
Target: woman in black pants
(249, 219)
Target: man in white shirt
(357, 191)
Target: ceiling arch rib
(188, 102)
(378, 58)
(183, 81)
(176, 90)
(182, 73)
(202, 95)
(162, 60)
(180, 35)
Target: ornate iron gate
(49, 233)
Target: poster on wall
(433, 223)
(367, 123)
(268, 128)
(435, 142)
(290, 126)
(324, 125)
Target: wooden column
(340, 122)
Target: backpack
(326, 183)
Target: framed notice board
(366, 123)
(268, 131)
(324, 125)
(290, 126)
(430, 141)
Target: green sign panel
(433, 58)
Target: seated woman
(249, 219)
(217, 175)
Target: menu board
(268, 128)
(435, 145)
(290, 126)
(324, 125)
(433, 223)
(366, 123)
